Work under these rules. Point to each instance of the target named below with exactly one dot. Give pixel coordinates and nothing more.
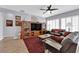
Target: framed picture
(18, 20)
(18, 23)
(9, 22)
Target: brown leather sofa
(59, 34)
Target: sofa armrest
(57, 38)
(53, 43)
(66, 33)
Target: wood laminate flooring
(12, 46)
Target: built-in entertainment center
(31, 29)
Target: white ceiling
(35, 9)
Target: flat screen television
(36, 26)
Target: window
(68, 24)
(48, 25)
(75, 25)
(57, 23)
(52, 24)
(63, 23)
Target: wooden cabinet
(36, 33)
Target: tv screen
(36, 26)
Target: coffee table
(44, 36)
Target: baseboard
(11, 37)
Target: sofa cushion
(74, 36)
(66, 41)
(68, 46)
(66, 33)
(57, 38)
(65, 48)
(70, 36)
(57, 30)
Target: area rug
(34, 45)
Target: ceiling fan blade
(42, 9)
(49, 6)
(53, 9)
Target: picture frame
(18, 23)
(18, 20)
(9, 23)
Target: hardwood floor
(12, 46)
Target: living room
(39, 31)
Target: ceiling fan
(49, 9)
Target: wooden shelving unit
(26, 30)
